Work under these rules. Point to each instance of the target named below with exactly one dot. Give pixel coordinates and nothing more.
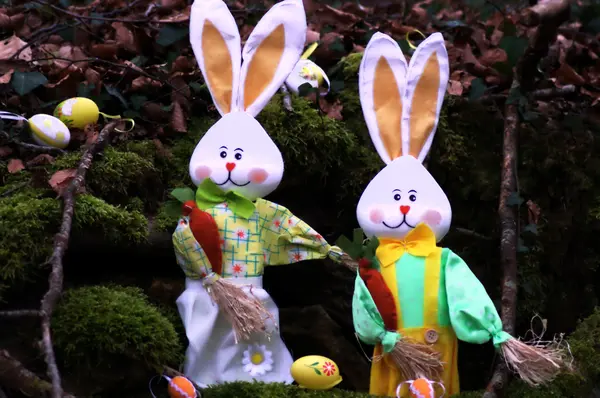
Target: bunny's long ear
(215, 40)
(426, 84)
(381, 81)
(270, 54)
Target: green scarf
(209, 194)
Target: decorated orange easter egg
(316, 372)
(180, 387)
(422, 388)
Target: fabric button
(431, 336)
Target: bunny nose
(230, 166)
(404, 209)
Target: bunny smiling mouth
(233, 182)
(399, 225)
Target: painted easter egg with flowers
(77, 112)
(316, 372)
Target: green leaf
(508, 28)
(514, 199)
(139, 60)
(172, 208)
(478, 87)
(183, 194)
(317, 371)
(532, 228)
(314, 364)
(521, 248)
(171, 34)
(137, 101)
(514, 47)
(131, 114)
(85, 89)
(503, 68)
(197, 87)
(515, 96)
(306, 89)
(117, 94)
(26, 82)
(337, 85)
(337, 45)
(358, 236)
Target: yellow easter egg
(316, 372)
(47, 130)
(307, 71)
(77, 112)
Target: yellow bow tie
(419, 242)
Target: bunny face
(401, 196)
(236, 153)
(401, 105)
(248, 163)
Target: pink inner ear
(258, 176)
(202, 172)
(376, 216)
(432, 217)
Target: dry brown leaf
(11, 46)
(5, 78)
(10, 22)
(170, 4)
(91, 133)
(161, 150)
(104, 50)
(182, 64)
(533, 213)
(5, 151)
(493, 56)
(125, 37)
(567, 75)
(39, 160)
(34, 21)
(61, 179)
(455, 88)
(312, 36)
(178, 118)
(15, 165)
(133, 66)
(334, 110)
(496, 37)
(154, 112)
(176, 17)
(92, 76)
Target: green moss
(164, 220)
(116, 176)
(30, 218)
(98, 327)
(273, 390)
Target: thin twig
(19, 313)
(9, 192)
(471, 233)
(97, 18)
(523, 82)
(32, 147)
(61, 243)
(14, 375)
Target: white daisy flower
(257, 360)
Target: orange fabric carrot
(382, 296)
(206, 232)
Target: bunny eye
(223, 154)
(412, 197)
(397, 197)
(238, 156)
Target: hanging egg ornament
(307, 71)
(180, 387)
(77, 112)
(316, 372)
(47, 130)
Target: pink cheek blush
(258, 176)
(432, 217)
(202, 172)
(376, 216)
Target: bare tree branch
(61, 243)
(551, 16)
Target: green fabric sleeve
(473, 315)
(367, 320)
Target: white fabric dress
(271, 236)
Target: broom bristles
(415, 360)
(246, 313)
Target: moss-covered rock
(117, 176)
(101, 333)
(30, 218)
